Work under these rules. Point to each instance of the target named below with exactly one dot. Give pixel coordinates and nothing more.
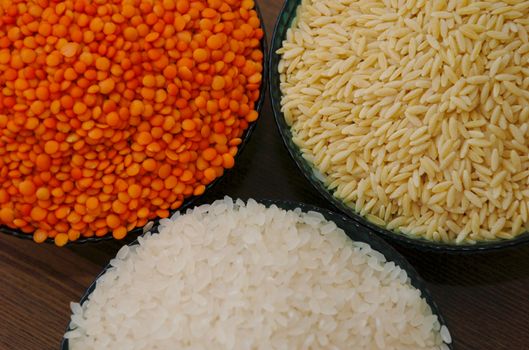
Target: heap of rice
(243, 276)
(416, 113)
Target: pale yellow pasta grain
(418, 119)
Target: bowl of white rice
(410, 117)
(257, 275)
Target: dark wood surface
(484, 298)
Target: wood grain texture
(484, 298)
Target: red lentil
(112, 112)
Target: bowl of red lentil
(114, 115)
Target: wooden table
(484, 298)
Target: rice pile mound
(415, 112)
(242, 276)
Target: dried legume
(113, 113)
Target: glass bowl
(287, 14)
(190, 200)
(355, 231)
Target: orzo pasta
(415, 112)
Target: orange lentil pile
(112, 112)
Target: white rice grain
(235, 275)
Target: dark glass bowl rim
(283, 22)
(190, 200)
(354, 230)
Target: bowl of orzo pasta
(410, 117)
